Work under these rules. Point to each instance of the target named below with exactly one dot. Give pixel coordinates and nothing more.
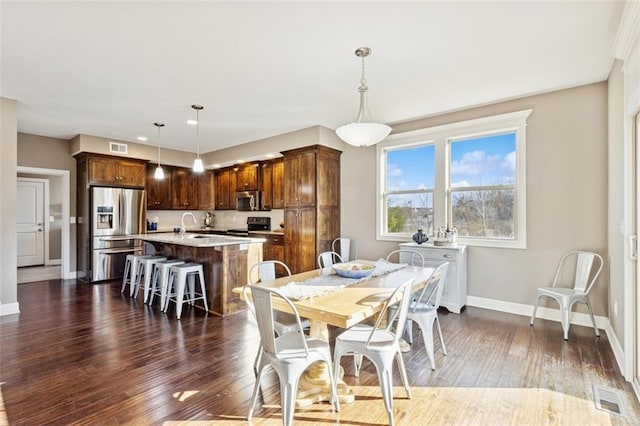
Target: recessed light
(240, 161)
(142, 138)
(216, 166)
(192, 122)
(269, 155)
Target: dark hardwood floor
(85, 354)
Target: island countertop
(197, 240)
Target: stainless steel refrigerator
(116, 214)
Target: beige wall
(8, 238)
(51, 153)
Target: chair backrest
(396, 322)
(345, 246)
(586, 263)
(262, 298)
(417, 259)
(266, 271)
(328, 258)
(438, 278)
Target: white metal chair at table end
(283, 322)
(345, 246)
(417, 259)
(379, 345)
(424, 311)
(289, 354)
(584, 280)
(328, 258)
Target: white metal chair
(328, 258)
(424, 311)
(417, 259)
(289, 354)
(345, 246)
(283, 322)
(379, 344)
(583, 281)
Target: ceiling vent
(118, 148)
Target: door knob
(39, 230)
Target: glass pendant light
(198, 166)
(159, 173)
(362, 132)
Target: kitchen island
(226, 262)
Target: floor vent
(118, 148)
(610, 400)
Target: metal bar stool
(160, 280)
(130, 275)
(179, 277)
(145, 267)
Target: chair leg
(256, 363)
(288, 388)
(204, 290)
(593, 320)
(444, 349)
(403, 374)
(386, 385)
(254, 397)
(127, 268)
(408, 331)
(357, 363)
(566, 314)
(426, 326)
(334, 388)
(535, 309)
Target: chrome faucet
(182, 227)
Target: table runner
(325, 283)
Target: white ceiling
(264, 68)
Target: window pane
(408, 212)
(483, 161)
(411, 168)
(483, 213)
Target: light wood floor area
(85, 354)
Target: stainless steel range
(254, 223)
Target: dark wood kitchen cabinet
(311, 204)
(115, 171)
(206, 190)
(248, 177)
(184, 189)
(277, 184)
(158, 190)
(225, 189)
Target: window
(470, 175)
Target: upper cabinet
(266, 185)
(184, 189)
(300, 182)
(225, 189)
(278, 184)
(248, 177)
(205, 190)
(115, 171)
(158, 190)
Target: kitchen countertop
(274, 232)
(197, 240)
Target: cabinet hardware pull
(448, 256)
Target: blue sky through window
(486, 160)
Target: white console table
(454, 295)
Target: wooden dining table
(343, 308)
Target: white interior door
(634, 253)
(30, 222)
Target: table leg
(315, 384)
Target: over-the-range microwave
(248, 200)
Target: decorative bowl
(353, 269)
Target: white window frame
(441, 136)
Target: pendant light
(362, 132)
(159, 174)
(197, 163)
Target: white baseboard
(9, 308)
(577, 318)
(544, 313)
(53, 262)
